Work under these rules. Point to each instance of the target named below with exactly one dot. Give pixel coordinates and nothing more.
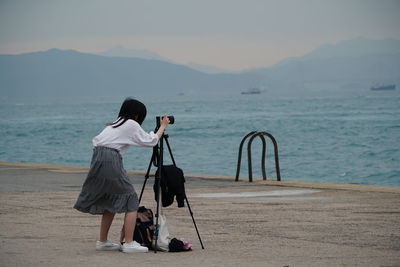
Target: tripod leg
(157, 226)
(169, 149)
(146, 178)
(195, 226)
(187, 201)
(158, 185)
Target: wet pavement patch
(276, 193)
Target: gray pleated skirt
(107, 186)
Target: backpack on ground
(144, 227)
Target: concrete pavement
(241, 223)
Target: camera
(158, 120)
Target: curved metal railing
(252, 136)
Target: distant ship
(383, 87)
(252, 91)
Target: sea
(339, 137)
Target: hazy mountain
(356, 48)
(66, 73)
(348, 65)
(120, 51)
(352, 64)
(206, 68)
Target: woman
(107, 189)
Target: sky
(230, 34)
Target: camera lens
(171, 120)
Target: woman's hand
(164, 121)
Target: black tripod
(157, 160)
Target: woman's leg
(106, 221)
(122, 235)
(129, 225)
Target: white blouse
(128, 134)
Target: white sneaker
(107, 245)
(133, 247)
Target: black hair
(130, 109)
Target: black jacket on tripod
(172, 184)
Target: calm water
(352, 138)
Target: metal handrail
(253, 135)
(240, 154)
(262, 157)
